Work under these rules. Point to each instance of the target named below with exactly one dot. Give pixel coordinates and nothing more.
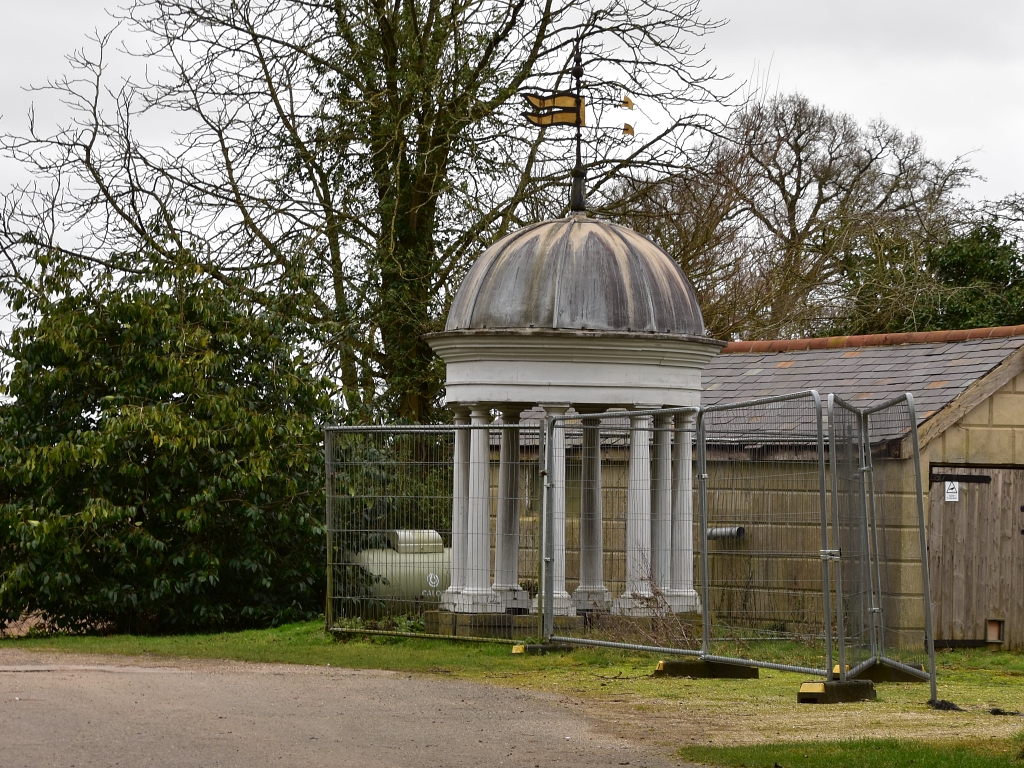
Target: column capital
(663, 420)
(635, 421)
(684, 419)
(510, 412)
(479, 412)
(555, 409)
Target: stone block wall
(992, 433)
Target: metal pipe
(861, 667)
(887, 662)
(422, 635)
(329, 521)
(702, 511)
(733, 532)
(766, 665)
(623, 646)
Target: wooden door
(976, 553)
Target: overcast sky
(951, 72)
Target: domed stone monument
(577, 311)
(583, 314)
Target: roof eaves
(872, 340)
(979, 390)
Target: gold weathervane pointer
(557, 109)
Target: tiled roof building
(968, 387)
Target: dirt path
(86, 710)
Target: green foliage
(974, 280)
(160, 464)
(983, 274)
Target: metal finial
(578, 193)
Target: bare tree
(799, 218)
(345, 161)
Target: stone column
(661, 506)
(637, 599)
(681, 596)
(506, 540)
(477, 595)
(460, 509)
(562, 603)
(591, 594)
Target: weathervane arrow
(558, 108)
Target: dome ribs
(576, 274)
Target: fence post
(329, 526)
(837, 571)
(546, 593)
(826, 553)
(702, 511)
(878, 620)
(929, 631)
(862, 468)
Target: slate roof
(935, 372)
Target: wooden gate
(976, 554)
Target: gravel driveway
(84, 710)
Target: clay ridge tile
(872, 340)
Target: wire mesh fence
(622, 502)
(429, 520)
(582, 528)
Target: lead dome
(576, 274)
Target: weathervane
(569, 108)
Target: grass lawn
(720, 722)
(863, 753)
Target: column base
(514, 599)
(638, 604)
(479, 601)
(682, 601)
(563, 605)
(449, 599)
(592, 599)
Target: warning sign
(952, 490)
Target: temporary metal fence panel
(425, 518)
(621, 502)
(850, 538)
(897, 538)
(445, 525)
(761, 466)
